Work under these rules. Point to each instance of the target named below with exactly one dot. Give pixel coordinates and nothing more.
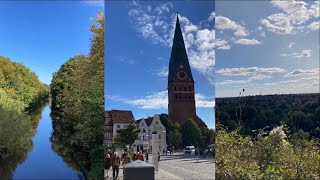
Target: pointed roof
(147, 120)
(178, 53)
(119, 116)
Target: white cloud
(314, 26)
(228, 82)
(278, 23)
(163, 8)
(212, 16)
(222, 44)
(163, 72)
(158, 26)
(204, 101)
(303, 73)
(296, 85)
(247, 41)
(159, 100)
(251, 71)
(224, 23)
(296, 11)
(293, 17)
(303, 54)
(291, 45)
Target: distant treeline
(21, 94)
(297, 111)
(77, 91)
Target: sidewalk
(160, 175)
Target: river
(42, 162)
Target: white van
(189, 150)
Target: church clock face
(181, 75)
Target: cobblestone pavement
(185, 166)
(180, 166)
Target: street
(185, 166)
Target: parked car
(189, 150)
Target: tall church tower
(180, 83)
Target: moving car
(189, 150)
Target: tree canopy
(128, 135)
(20, 94)
(78, 95)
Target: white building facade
(147, 127)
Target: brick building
(181, 93)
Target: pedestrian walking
(158, 156)
(107, 164)
(134, 156)
(140, 156)
(115, 162)
(126, 159)
(147, 156)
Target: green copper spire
(178, 54)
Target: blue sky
(138, 44)
(44, 35)
(271, 47)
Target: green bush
(268, 156)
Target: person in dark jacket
(147, 156)
(115, 163)
(158, 156)
(107, 164)
(134, 157)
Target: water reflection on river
(42, 162)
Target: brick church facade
(181, 94)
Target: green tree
(191, 133)
(128, 135)
(77, 92)
(175, 138)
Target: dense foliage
(186, 134)
(21, 97)
(128, 135)
(268, 156)
(297, 111)
(268, 137)
(77, 96)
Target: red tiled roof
(147, 120)
(119, 116)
